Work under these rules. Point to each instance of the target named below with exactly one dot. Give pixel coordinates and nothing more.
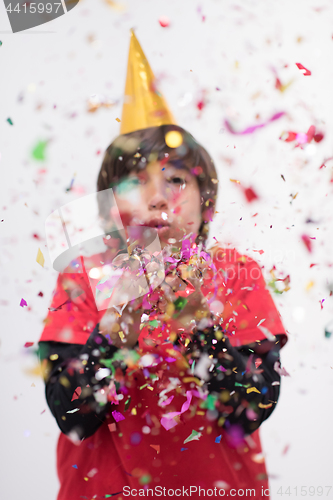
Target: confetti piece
(218, 439)
(38, 152)
(118, 120)
(279, 370)
(183, 449)
(0, 43)
(269, 405)
(28, 344)
(40, 258)
(285, 449)
(258, 458)
(120, 8)
(156, 447)
(329, 330)
(112, 427)
(117, 416)
(250, 195)
(9, 120)
(253, 128)
(164, 21)
(76, 394)
(252, 389)
(23, 303)
(194, 436)
(73, 411)
(307, 242)
(74, 466)
(306, 72)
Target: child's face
(164, 197)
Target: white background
(47, 76)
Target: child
(164, 396)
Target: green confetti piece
(9, 120)
(194, 436)
(0, 43)
(209, 402)
(180, 303)
(153, 323)
(38, 152)
(127, 403)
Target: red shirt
(138, 451)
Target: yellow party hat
(144, 106)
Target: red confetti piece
(307, 242)
(76, 394)
(112, 427)
(23, 303)
(250, 195)
(40, 294)
(164, 21)
(306, 72)
(28, 344)
(311, 265)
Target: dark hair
(136, 149)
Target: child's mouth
(162, 226)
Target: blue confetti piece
(264, 390)
(183, 449)
(74, 466)
(218, 439)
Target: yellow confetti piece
(192, 379)
(118, 120)
(234, 180)
(40, 258)
(309, 285)
(265, 406)
(133, 411)
(53, 357)
(65, 382)
(252, 389)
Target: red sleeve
(249, 312)
(73, 314)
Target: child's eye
(177, 181)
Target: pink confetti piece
(167, 401)
(253, 128)
(168, 420)
(164, 21)
(28, 344)
(117, 416)
(23, 303)
(279, 370)
(303, 69)
(307, 242)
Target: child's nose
(158, 202)
(157, 196)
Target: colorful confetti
(306, 72)
(40, 258)
(253, 128)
